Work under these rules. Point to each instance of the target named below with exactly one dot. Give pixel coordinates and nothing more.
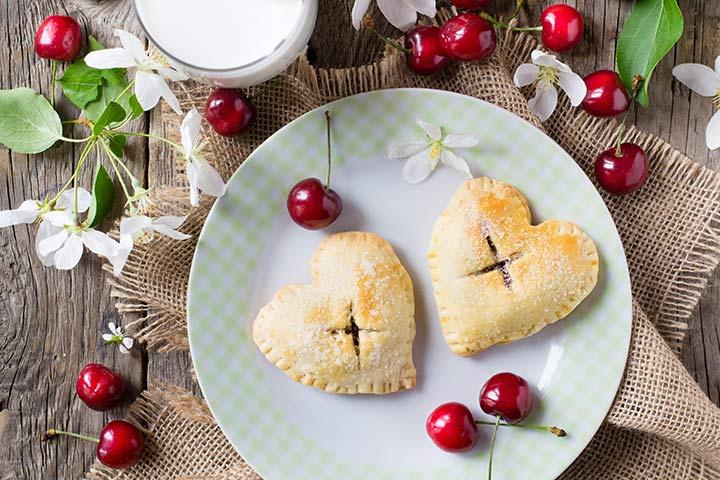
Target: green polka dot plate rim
(249, 248)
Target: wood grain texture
(51, 321)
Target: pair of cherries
(471, 37)
(505, 396)
(120, 444)
(623, 168)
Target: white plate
(249, 248)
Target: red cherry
(506, 395)
(59, 38)
(622, 173)
(471, 4)
(452, 428)
(468, 37)
(427, 55)
(120, 445)
(312, 206)
(562, 27)
(606, 95)
(229, 111)
(99, 387)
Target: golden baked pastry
(497, 278)
(351, 330)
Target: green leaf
(116, 144)
(651, 30)
(28, 123)
(95, 44)
(135, 108)
(81, 84)
(113, 113)
(114, 83)
(103, 196)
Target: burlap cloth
(661, 425)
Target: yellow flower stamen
(549, 75)
(436, 151)
(716, 100)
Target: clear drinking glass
(254, 72)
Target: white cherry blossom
(141, 229)
(201, 175)
(548, 73)
(118, 337)
(704, 81)
(30, 211)
(62, 245)
(152, 70)
(435, 146)
(401, 13)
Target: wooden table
(51, 321)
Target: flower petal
(193, 171)
(69, 255)
(210, 181)
(52, 242)
(712, 132)
(59, 218)
(459, 140)
(67, 200)
(418, 167)
(544, 102)
(544, 59)
(717, 65)
(149, 87)
(45, 230)
(169, 232)
(110, 58)
(574, 87)
(359, 10)
(526, 74)
(172, 74)
(132, 45)
(134, 224)
(434, 132)
(701, 79)
(112, 327)
(398, 13)
(456, 162)
(170, 221)
(190, 130)
(119, 260)
(107, 337)
(99, 243)
(128, 342)
(426, 7)
(27, 212)
(406, 149)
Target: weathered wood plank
(50, 321)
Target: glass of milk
(229, 43)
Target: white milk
(220, 34)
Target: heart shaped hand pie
(496, 277)
(351, 330)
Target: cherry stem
(53, 74)
(518, 6)
(370, 25)
(637, 81)
(558, 432)
(504, 26)
(492, 446)
(328, 118)
(53, 433)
